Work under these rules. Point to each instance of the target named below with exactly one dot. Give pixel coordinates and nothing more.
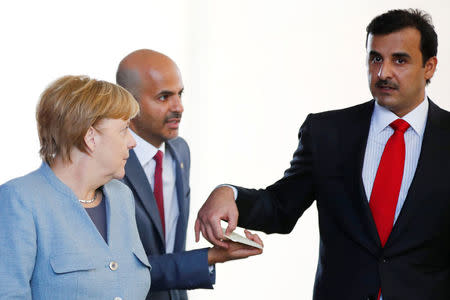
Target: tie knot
(400, 125)
(158, 157)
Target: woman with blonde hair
(68, 230)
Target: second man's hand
(234, 250)
(220, 205)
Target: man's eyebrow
(374, 53)
(401, 55)
(165, 92)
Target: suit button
(383, 260)
(113, 266)
(117, 298)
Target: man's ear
(430, 67)
(90, 138)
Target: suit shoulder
(344, 113)
(179, 143)
(23, 191)
(441, 115)
(181, 148)
(28, 183)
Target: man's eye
(377, 59)
(163, 98)
(400, 61)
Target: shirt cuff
(212, 269)
(235, 191)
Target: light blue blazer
(50, 248)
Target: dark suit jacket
(171, 274)
(327, 167)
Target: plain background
(252, 72)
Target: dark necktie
(388, 180)
(158, 188)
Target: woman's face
(112, 144)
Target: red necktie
(158, 188)
(386, 187)
(388, 180)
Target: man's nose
(176, 105)
(385, 71)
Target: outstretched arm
(190, 269)
(182, 270)
(273, 209)
(234, 250)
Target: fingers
(238, 251)
(253, 237)
(214, 239)
(232, 222)
(244, 253)
(220, 205)
(209, 234)
(197, 230)
(234, 250)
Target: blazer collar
(354, 131)
(434, 147)
(183, 204)
(136, 176)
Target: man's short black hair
(398, 19)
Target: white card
(235, 237)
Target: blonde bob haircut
(70, 106)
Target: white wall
(252, 71)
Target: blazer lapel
(111, 217)
(435, 145)
(353, 145)
(182, 205)
(136, 176)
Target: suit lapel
(136, 176)
(434, 147)
(353, 145)
(182, 205)
(111, 215)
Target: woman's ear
(90, 138)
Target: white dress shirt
(379, 133)
(145, 152)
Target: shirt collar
(144, 150)
(417, 118)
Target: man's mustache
(173, 115)
(386, 84)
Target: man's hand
(220, 205)
(234, 250)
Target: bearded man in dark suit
(378, 173)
